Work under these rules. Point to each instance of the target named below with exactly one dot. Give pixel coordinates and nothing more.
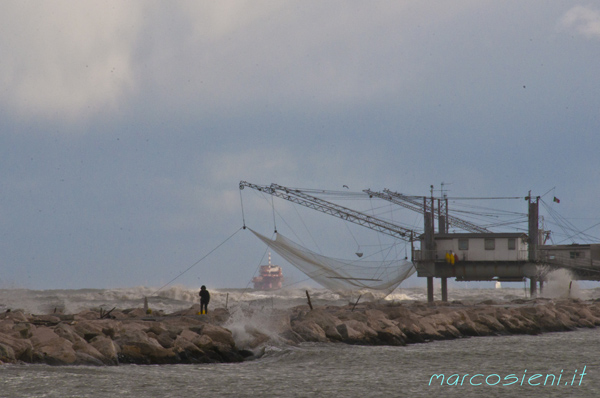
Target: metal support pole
(441, 219)
(447, 217)
(533, 229)
(430, 289)
(432, 214)
(444, 289)
(309, 303)
(533, 287)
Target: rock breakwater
(400, 324)
(131, 336)
(128, 337)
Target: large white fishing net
(342, 275)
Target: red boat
(270, 277)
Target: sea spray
(561, 284)
(252, 329)
(179, 298)
(405, 296)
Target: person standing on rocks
(204, 300)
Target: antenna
(444, 191)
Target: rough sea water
(548, 365)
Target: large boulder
(22, 330)
(52, 349)
(356, 332)
(7, 354)
(15, 316)
(87, 315)
(442, 324)
(6, 326)
(88, 329)
(22, 350)
(136, 347)
(585, 313)
(219, 335)
(326, 322)
(489, 321)
(388, 332)
(107, 348)
(187, 345)
(308, 330)
(45, 320)
(67, 332)
(165, 339)
(88, 353)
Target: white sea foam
(248, 327)
(176, 298)
(560, 284)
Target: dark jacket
(204, 296)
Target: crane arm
(312, 202)
(406, 203)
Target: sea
(548, 365)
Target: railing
(487, 255)
(565, 260)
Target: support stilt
(444, 289)
(533, 287)
(430, 289)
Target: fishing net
(342, 275)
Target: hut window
(577, 254)
(490, 244)
(512, 244)
(463, 244)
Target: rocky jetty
(133, 337)
(121, 337)
(401, 324)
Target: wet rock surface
(400, 324)
(132, 337)
(126, 338)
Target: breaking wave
(177, 298)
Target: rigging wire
(561, 222)
(358, 252)
(485, 198)
(392, 217)
(196, 263)
(305, 227)
(378, 239)
(255, 271)
(566, 226)
(489, 211)
(547, 192)
(273, 207)
(243, 216)
(383, 258)
(587, 229)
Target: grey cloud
(583, 20)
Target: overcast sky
(125, 127)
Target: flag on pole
(556, 199)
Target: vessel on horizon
(270, 277)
